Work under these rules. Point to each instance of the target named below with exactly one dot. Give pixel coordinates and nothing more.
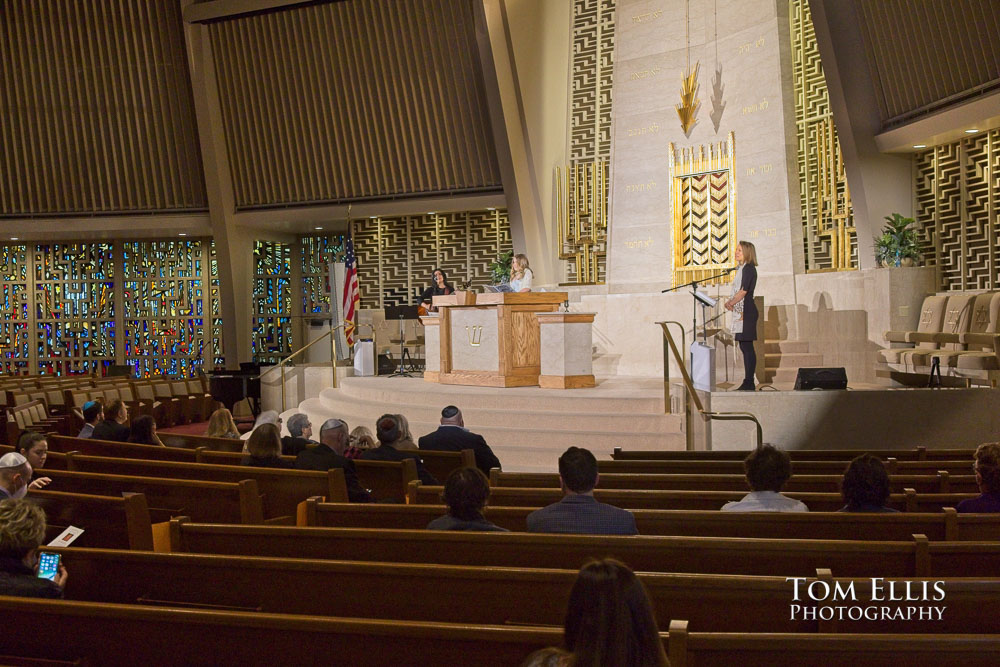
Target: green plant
(897, 242)
(500, 269)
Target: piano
(231, 387)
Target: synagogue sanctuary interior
(500, 332)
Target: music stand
(402, 313)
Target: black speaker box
(821, 378)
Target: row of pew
(312, 574)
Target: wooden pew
(708, 555)
(109, 522)
(442, 464)
(194, 441)
(845, 455)
(938, 482)
(686, 649)
(634, 499)
(110, 634)
(124, 450)
(219, 502)
(387, 480)
(714, 603)
(941, 526)
(282, 490)
(893, 467)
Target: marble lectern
(493, 341)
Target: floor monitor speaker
(821, 378)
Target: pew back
(108, 522)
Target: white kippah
(12, 460)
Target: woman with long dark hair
(610, 622)
(439, 286)
(745, 311)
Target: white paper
(67, 537)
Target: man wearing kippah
(93, 412)
(15, 475)
(329, 453)
(452, 436)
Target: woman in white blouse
(520, 274)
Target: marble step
(630, 422)
(793, 360)
(786, 346)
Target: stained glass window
(272, 302)
(317, 253)
(14, 332)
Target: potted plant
(500, 269)
(898, 245)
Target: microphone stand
(694, 303)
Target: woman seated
(610, 620)
(987, 469)
(266, 417)
(865, 486)
(360, 440)
(465, 493)
(144, 431)
(35, 447)
(264, 448)
(520, 274)
(405, 437)
(222, 425)
(22, 531)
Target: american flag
(351, 293)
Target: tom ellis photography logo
(894, 600)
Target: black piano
(231, 387)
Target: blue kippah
(89, 404)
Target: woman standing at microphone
(745, 310)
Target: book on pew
(67, 537)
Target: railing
(281, 364)
(692, 395)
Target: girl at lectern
(744, 310)
(520, 274)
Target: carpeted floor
(197, 428)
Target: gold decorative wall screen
(704, 210)
(581, 187)
(582, 215)
(397, 255)
(827, 217)
(957, 207)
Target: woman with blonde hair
(744, 310)
(222, 425)
(405, 437)
(22, 531)
(520, 274)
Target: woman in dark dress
(744, 310)
(440, 287)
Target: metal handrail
(281, 363)
(689, 385)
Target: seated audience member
(113, 427)
(300, 431)
(865, 486)
(35, 448)
(361, 439)
(987, 469)
(579, 511)
(222, 425)
(465, 493)
(405, 437)
(93, 412)
(144, 431)
(452, 436)
(264, 448)
(266, 417)
(609, 620)
(329, 453)
(15, 475)
(767, 470)
(548, 657)
(387, 432)
(22, 531)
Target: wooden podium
(488, 340)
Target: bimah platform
(487, 340)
